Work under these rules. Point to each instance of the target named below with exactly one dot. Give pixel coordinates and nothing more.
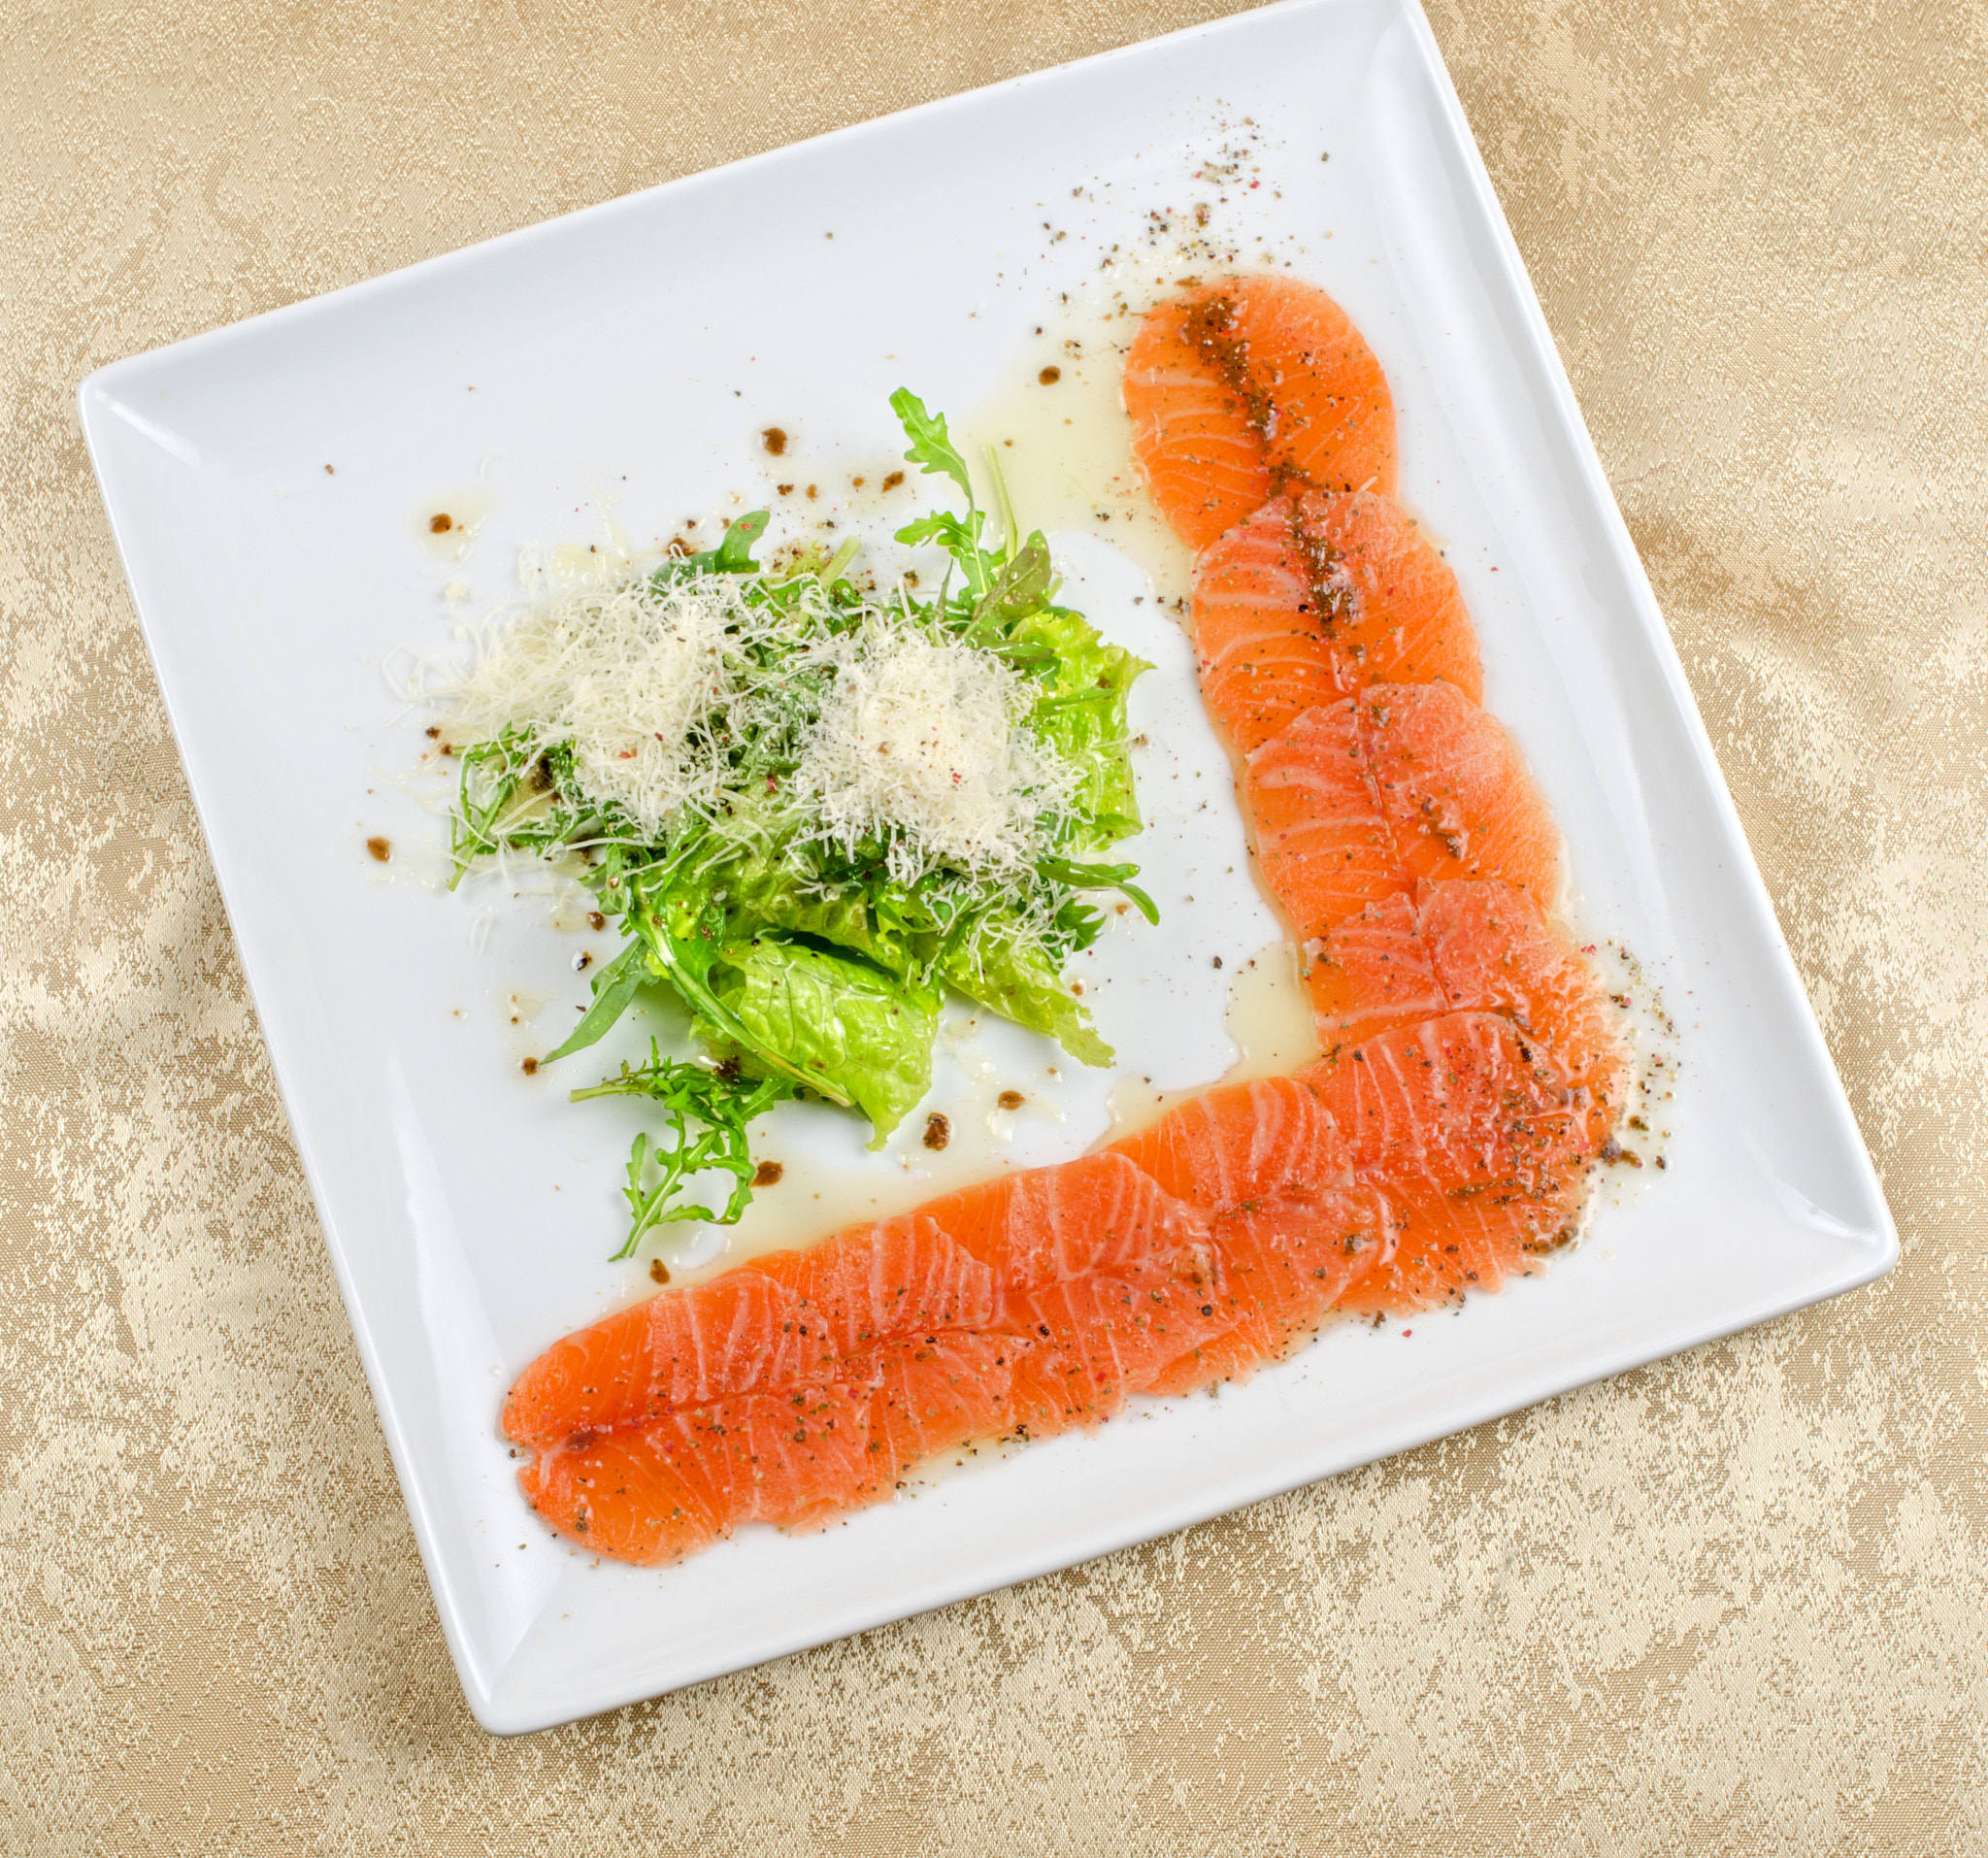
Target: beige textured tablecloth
(1733, 1603)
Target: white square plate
(628, 358)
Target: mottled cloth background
(1730, 1603)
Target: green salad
(812, 808)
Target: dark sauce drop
(379, 848)
(938, 1130)
(768, 1173)
(774, 439)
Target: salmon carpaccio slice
(660, 1490)
(804, 1384)
(770, 1324)
(1362, 800)
(1315, 597)
(1482, 1143)
(1249, 387)
(1108, 1276)
(1477, 948)
(1291, 1227)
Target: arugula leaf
(958, 536)
(734, 552)
(1020, 587)
(846, 1029)
(932, 448)
(723, 1104)
(1083, 876)
(732, 555)
(613, 987)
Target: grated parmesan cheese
(928, 739)
(638, 678)
(915, 741)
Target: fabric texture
(1733, 1603)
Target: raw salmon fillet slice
(1108, 1335)
(1362, 800)
(767, 1325)
(727, 1337)
(1496, 953)
(1372, 970)
(1243, 1143)
(1456, 791)
(1452, 1245)
(1044, 1225)
(1286, 1267)
(1322, 836)
(944, 1391)
(1247, 388)
(658, 1491)
(803, 1385)
(871, 1284)
(1315, 597)
(1480, 1142)
(1107, 1275)
(642, 1494)
(1461, 1100)
(1289, 1227)
(1477, 948)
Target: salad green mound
(812, 809)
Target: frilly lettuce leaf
(1082, 714)
(762, 893)
(848, 1029)
(1012, 974)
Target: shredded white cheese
(627, 674)
(917, 742)
(927, 737)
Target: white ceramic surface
(626, 357)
